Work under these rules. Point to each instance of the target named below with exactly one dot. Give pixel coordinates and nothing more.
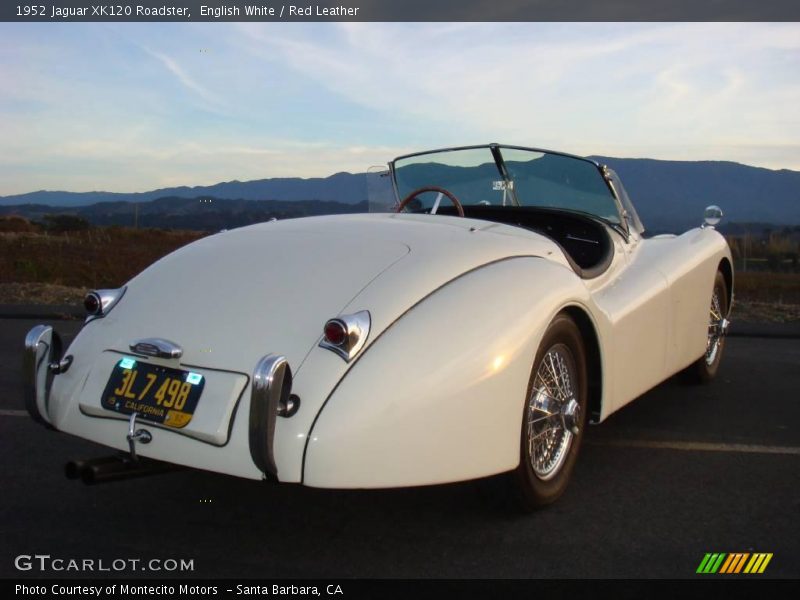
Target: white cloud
(652, 85)
(211, 99)
(136, 107)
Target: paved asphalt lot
(681, 472)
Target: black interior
(585, 242)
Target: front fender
(439, 396)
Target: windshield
(506, 176)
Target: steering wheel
(432, 188)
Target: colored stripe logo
(734, 563)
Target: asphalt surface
(680, 472)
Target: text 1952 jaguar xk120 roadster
(504, 298)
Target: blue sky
(137, 106)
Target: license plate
(156, 393)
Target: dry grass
(40, 293)
(765, 312)
(764, 297)
(97, 258)
(765, 287)
(41, 268)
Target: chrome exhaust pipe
(115, 468)
(74, 468)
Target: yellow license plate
(159, 394)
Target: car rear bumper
(41, 361)
(67, 399)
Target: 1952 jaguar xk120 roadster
(502, 298)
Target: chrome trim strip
(357, 325)
(496, 145)
(269, 397)
(575, 238)
(157, 347)
(42, 346)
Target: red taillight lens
(92, 303)
(335, 332)
(346, 335)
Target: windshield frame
(497, 154)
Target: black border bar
(403, 589)
(400, 10)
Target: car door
(635, 299)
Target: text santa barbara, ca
(204, 12)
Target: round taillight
(92, 303)
(335, 332)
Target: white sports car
(502, 299)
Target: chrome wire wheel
(554, 414)
(715, 330)
(705, 368)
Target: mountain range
(341, 187)
(669, 196)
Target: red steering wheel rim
(432, 188)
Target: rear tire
(554, 417)
(706, 367)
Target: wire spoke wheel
(553, 415)
(714, 340)
(705, 368)
(550, 412)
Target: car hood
(233, 297)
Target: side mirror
(711, 216)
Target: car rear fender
(439, 395)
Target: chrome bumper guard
(270, 397)
(41, 361)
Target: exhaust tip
(89, 475)
(115, 468)
(73, 469)
(87, 469)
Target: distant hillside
(669, 196)
(341, 187)
(203, 214)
